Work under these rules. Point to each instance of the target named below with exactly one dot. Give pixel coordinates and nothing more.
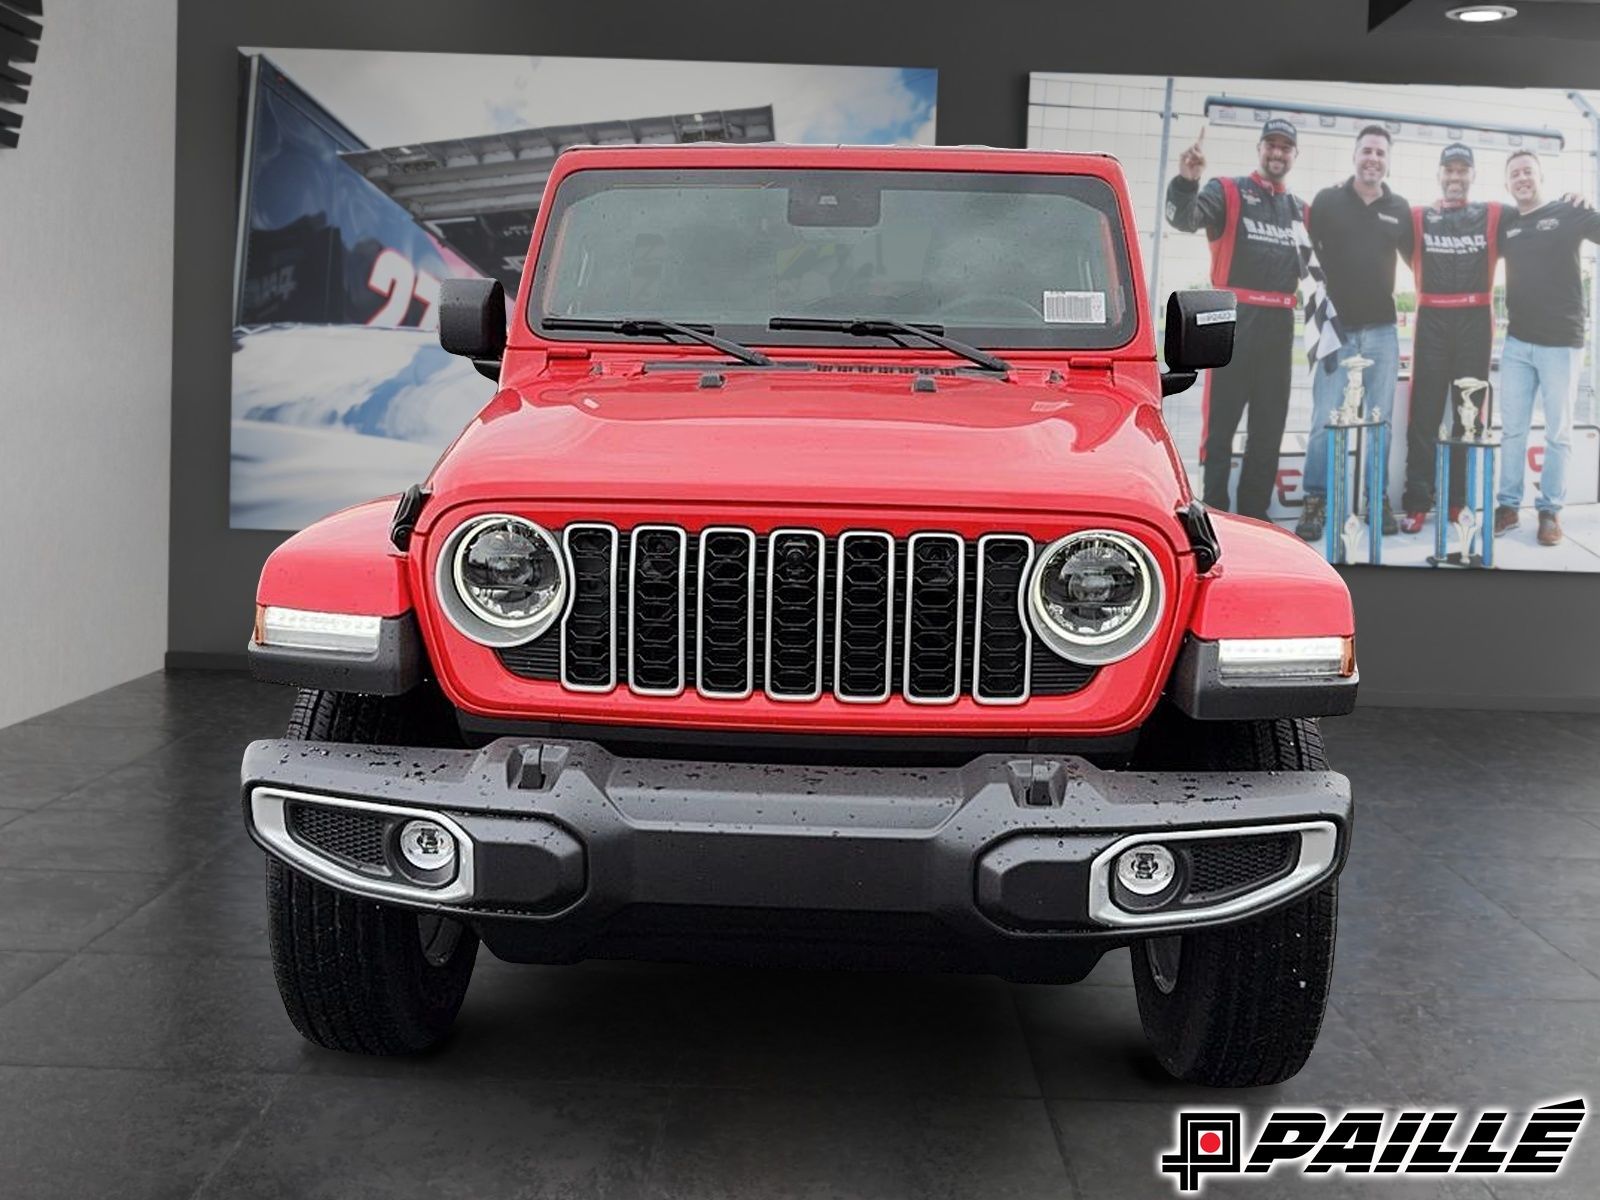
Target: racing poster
(1414, 268)
(367, 178)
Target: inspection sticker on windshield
(1075, 308)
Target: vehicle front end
(855, 650)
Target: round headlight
(502, 580)
(1095, 596)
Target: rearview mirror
(472, 321)
(1200, 328)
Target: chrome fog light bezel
(1317, 855)
(269, 818)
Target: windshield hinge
(1203, 541)
(568, 353)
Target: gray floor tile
(66, 910)
(1540, 889)
(738, 1144)
(207, 913)
(21, 969)
(165, 842)
(1578, 940)
(186, 1014)
(1524, 1053)
(370, 1139)
(1468, 956)
(33, 785)
(72, 1133)
(198, 771)
(70, 743)
(11, 814)
(1390, 877)
(1488, 832)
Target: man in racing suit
(1453, 259)
(1250, 221)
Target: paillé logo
(1373, 1141)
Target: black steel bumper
(1002, 865)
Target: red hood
(815, 438)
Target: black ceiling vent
(19, 47)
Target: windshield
(1000, 260)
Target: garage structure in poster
(1538, 412)
(370, 177)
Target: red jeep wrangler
(820, 586)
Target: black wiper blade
(656, 327)
(885, 327)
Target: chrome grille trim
(911, 598)
(888, 620)
(706, 534)
(822, 592)
(633, 607)
(572, 597)
(1021, 600)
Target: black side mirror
(1200, 328)
(472, 322)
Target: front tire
(354, 974)
(1240, 1006)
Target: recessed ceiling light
(1481, 14)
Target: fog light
(1146, 870)
(427, 846)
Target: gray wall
(1420, 633)
(85, 357)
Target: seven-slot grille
(794, 615)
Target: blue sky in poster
(391, 98)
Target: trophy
(1468, 409)
(1466, 525)
(1348, 533)
(1479, 445)
(1354, 391)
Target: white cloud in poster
(390, 98)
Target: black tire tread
(351, 971)
(1250, 998)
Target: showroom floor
(143, 1051)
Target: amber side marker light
(1286, 658)
(303, 629)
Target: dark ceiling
(1535, 18)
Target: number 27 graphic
(398, 281)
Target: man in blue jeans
(1544, 341)
(1359, 229)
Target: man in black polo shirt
(1250, 223)
(1359, 230)
(1544, 341)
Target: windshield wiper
(656, 327)
(884, 327)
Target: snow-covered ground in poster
(328, 416)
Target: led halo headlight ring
(472, 618)
(1117, 643)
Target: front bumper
(1003, 865)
